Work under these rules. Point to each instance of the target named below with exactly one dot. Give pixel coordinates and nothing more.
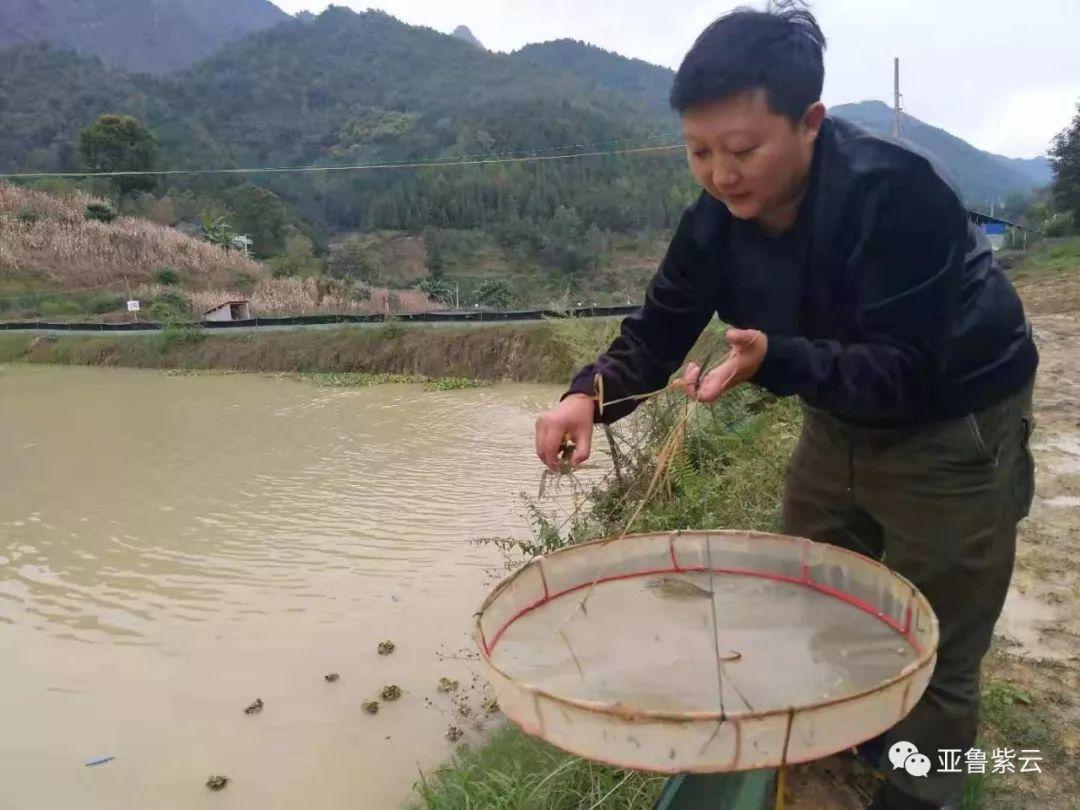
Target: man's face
(749, 158)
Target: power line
(358, 167)
(330, 142)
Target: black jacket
(882, 306)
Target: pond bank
(536, 352)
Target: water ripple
(191, 499)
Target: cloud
(1031, 112)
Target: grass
(359, 379)
(13, 346)
(1050, 260)
(454, 384)
(729, 473)
(515, 772)
(1012, 717)
(1048, 278)
(43, 304)
(579, 339)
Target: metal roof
(979, 218)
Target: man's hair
(779, 50)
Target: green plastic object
(744, 790)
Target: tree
(261, 216)
(218, 232)
(1065, 158)
(119, 143)
(1016, 207)
(355, 257)
(496, 293)
(568, 245)
(439, 289)
(298, 260)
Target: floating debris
(217, 782)
(255, 707)
(386, 647)
(453, 734)
(370, 706)
(675, 588)
(391, 692)
(463, 654)
(331, 677)
(99, 761)
(492, 705)
(448, 685)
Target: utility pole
(896, 98)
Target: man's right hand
(572, 417)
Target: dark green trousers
(939, 505)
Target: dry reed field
(305, 296)
(48, 243)
(49, 239)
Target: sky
(1002, 75)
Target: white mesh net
(706, 651)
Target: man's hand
(572, 417)
(748, 347)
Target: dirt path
(1041, 620)
(1035, 665)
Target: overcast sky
(1003, 75)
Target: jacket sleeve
(653, 341)
(906, 264)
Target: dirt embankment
(542, 352)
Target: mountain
(606, 70)
(340, 86)
(152, 36)
(366, 87)
(354, 89)
(1038, 169)
(404, 135)
(463, 33)
(981, 176)
(48, 95)
(360, 88)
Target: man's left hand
(748, 347)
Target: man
(852, 277)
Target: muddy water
(663, 636)
(172, 547)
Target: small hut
(997, 229)
(229, 311)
